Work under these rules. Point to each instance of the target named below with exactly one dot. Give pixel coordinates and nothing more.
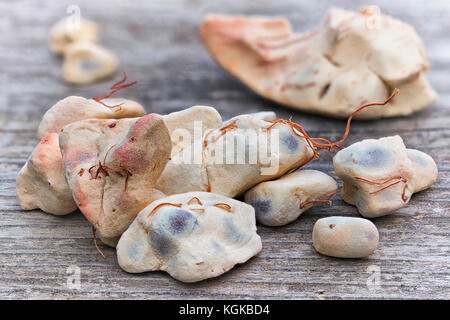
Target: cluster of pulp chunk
(166, 203)
(350, 59)
(120, 167)
(84, 60)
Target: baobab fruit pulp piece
(344, 62)
(234, 179)
(111, 167)
(41, 183)
(425, 168)
(74, 108)
(281, 201)
(378, 175)
(192, 236)
(65, 32)
(345, 237)
(86, 62)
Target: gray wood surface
(158, 45)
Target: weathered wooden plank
(158, 45)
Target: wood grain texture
(158, 45)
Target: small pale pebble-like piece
(65, 32)
(381, 175)
(279, 202)
(349, 59)
(192, 236)
(74, 108)
(111, 167)
(425, 168)
(345, 237)
(86, 62)
(228, 160)
(41, 183)
(191, 123)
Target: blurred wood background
(158, 45)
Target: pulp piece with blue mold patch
(281, 201)
(345, 237)
(381, 175)
(175, 221)
(192, 236)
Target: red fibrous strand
(396, 180)
(321, 143)
(404, 197)
(196, 200)
(321, 199)
(161, 205)
(102, 168)
(116, 87)
(128, 174)
(304, 204)
(378, 183)
(349, 120)
(223, 206)
(222, 131)
(388, 186)
(98, 248)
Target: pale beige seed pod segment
(41, 183)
